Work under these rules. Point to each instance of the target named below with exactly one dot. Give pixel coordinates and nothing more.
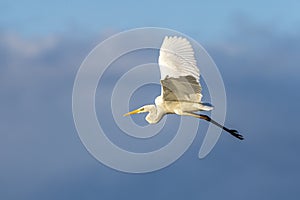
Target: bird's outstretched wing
(179, 72)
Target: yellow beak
(132, 112)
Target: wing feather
(179, 71)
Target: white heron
(181, 89)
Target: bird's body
(161, 108)
(181, 89)
(175, 107)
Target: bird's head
(146, 108)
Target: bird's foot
(235, 134)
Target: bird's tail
(206, 106)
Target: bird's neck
(154, 115)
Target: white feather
(176, 58)
(179, 71)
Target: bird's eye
(142, 109)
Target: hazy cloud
(42, 156)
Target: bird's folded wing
(179, 71)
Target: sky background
(256, 47)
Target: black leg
(231, 131)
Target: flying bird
(180, 86)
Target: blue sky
(212, 18)
(256, 46)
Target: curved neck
(154, 115)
